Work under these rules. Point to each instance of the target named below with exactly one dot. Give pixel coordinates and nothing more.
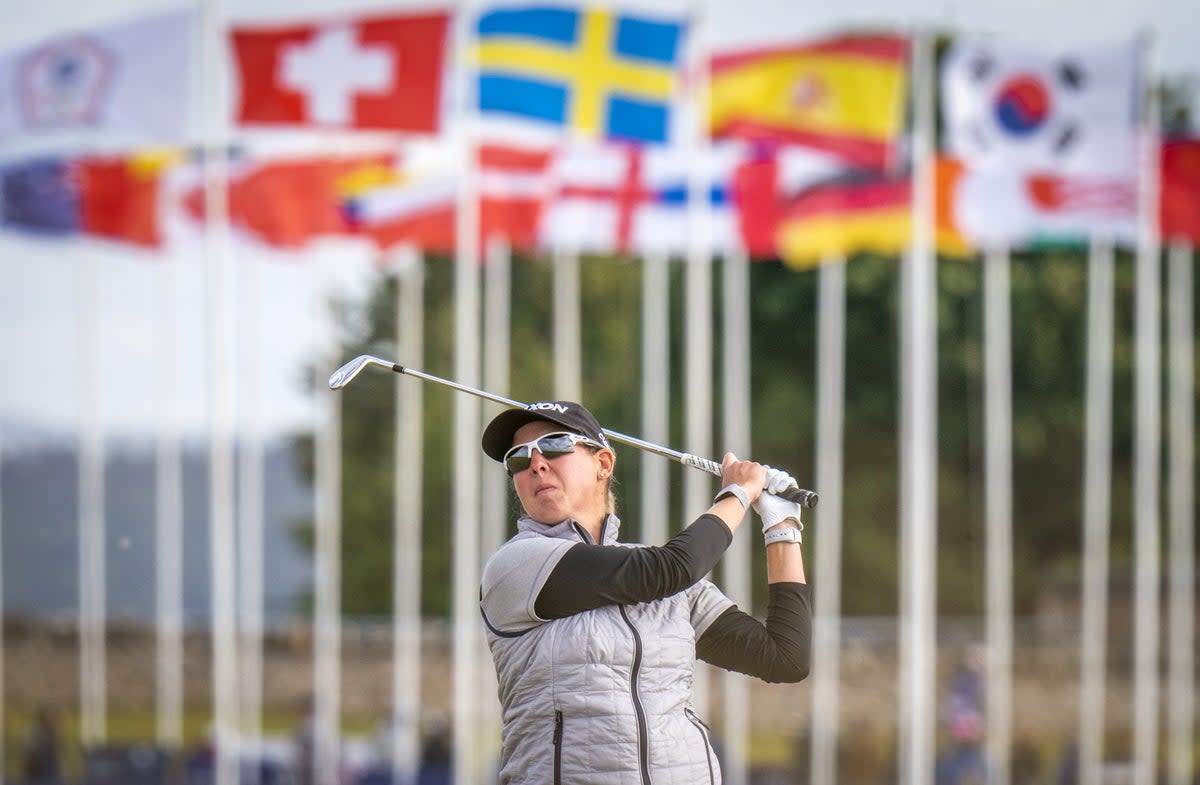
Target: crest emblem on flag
(64, 83)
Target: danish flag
(380, 73)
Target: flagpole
(698, 370)
(737, 428)
(1181, 644)
(169, 523)
(406, 521)
(92, 660)
(221, 402)
(998, 516)
(831, 384)
(1147, 418)
(918, 453)
(1097, 471)
(465, 504)
(567, 359)
(3, 727)
(326, 703)
(656, 414)
(250, 519)
(497, 333)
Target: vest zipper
(708, 751)
(638, 710)
(558, 739)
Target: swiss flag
(378, 73)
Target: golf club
(347, 373)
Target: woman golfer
(595, 642)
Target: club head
(344, 375)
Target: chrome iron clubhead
(344, 375)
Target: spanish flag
(843, 95)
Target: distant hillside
(41, 543)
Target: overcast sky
(43, 342)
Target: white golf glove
(773, 509)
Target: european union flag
(41, 195)
(604, 74)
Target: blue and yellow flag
(604, 74)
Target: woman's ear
(608, 459)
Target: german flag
(844, 95)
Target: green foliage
(1049, 348)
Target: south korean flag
(1005, 106)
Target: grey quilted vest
(604, 696)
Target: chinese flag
(119, 198)
(378, 73)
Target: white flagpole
(92, 583)
(698, 343)
(465, 504)
(326, 706)
(497, 312)
(1097, 472)
(1147, 419)
(221, 401)
(406, 521)
(918, 454)
(250, 519)
(737, 560)
(831, 385)
(169, 520)
(567, 359)
(698, 284)
(3, 728)
(998, 517)
(656, 413)
(493, 517)
(1181, 694)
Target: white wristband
(736, 491)
(784, 534)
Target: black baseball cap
(573, 417)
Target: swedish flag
(605, 74)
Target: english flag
(611, 198)
(382, 73)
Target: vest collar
(570, 530)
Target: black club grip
(801, 496)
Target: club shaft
(803, 497)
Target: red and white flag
(987, 207)
(514, 184)
(380, 73)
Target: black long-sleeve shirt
(590, 576)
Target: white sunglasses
(550, 445)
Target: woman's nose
(537, 461)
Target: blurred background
(934, 258)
